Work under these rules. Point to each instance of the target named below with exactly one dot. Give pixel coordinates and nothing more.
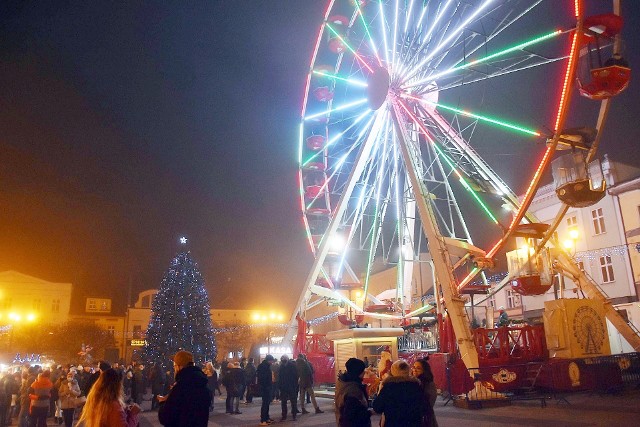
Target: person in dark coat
(187, 404)
(288, 385)
(139, 384)
(158, 379)
(249, 378)
(305, 375)
(264, 376)
(235, 384)
(90, 381)
(422, 371)
(212, 382)
(351, 401)
(401, 399)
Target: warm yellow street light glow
(573, 234)
(272, 315)
(14, 316)
(568, 244)
(358, 294)
(256, 316)
(31, 317)
(280, 317)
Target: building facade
(25, 299)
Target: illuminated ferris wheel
(412, 112)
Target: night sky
(124, 126)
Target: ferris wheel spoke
(518, 47)
(349, 48)
(353, 82)
(427, 36)
(372, 44)
(495, 121)
(443, 43)
(451, 164)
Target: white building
(602, 239)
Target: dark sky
(124, 126)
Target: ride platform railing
(514, 343)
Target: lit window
(111, 330)
(91, 304)
(137, 331)
(55, 306)
(606, 267)
(491, 302)
(598, 221)
(513, 299)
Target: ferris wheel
(412, 112)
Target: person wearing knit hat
(400, 400)
(400, 368)
(188, 401)
(351, 404)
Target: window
(572, 222)
(513, 299)
(111, 330)
(91, 304)
(491, 302)
(37, 303)
(146, 301)
(606, 267)
(598, 221)
(55, 306)
(137, 331)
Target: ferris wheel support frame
(438, 250)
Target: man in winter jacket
(264, 376)
(401, 398)
(249, 378)
(305, 375)
(288, 384)
(187, 404)
(352, 407)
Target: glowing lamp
(573, 234)
(568, 244)
(336, 243)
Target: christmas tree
(180, 317)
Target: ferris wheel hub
(378, 87)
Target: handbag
(80, 400)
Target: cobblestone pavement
(581, 410)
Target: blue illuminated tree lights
(180, 315)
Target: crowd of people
(405, 398)
(32, 394)
(106, 395)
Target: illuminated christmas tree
(180, 318)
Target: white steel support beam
(438, 250)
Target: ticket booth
(363, 342)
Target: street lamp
(266, 320)
(16, 319)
